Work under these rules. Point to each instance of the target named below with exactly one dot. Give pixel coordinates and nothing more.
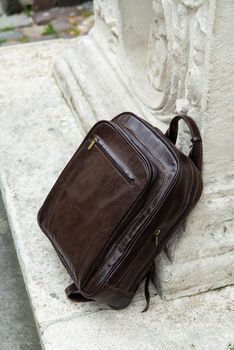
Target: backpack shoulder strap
(196, 151)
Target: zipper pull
(157, 233)
(92, 143)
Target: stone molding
(168, 70)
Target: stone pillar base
(104, 74)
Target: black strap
(149, 277)
(73, 293)
(196, 151)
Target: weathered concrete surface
(202, 322)
(17, 327)
(38, 136)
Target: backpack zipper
(92, 143)
(113, 157)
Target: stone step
(91, 87)
(38, 136)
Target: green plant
(27, 10)
(230, 346)
(7, 29)
(49, 30)
(75, 31)
(86, 13)
(24, 39)
(3, 41)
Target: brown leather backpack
(118, 202)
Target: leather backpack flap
(96, 195)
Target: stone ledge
(38, 136)
(83, 71)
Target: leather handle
(196, 151)
(73, 293)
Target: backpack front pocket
(94, 197)
(113, 158)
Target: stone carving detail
(198, 46)
(171, 53)
(157, 56)
(106, 10)
(177, 48)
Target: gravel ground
(61, 22)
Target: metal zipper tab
(92, 143)
(156, 233)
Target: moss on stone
(49, 30)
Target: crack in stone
(45, 325)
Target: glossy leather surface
(126, 181)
